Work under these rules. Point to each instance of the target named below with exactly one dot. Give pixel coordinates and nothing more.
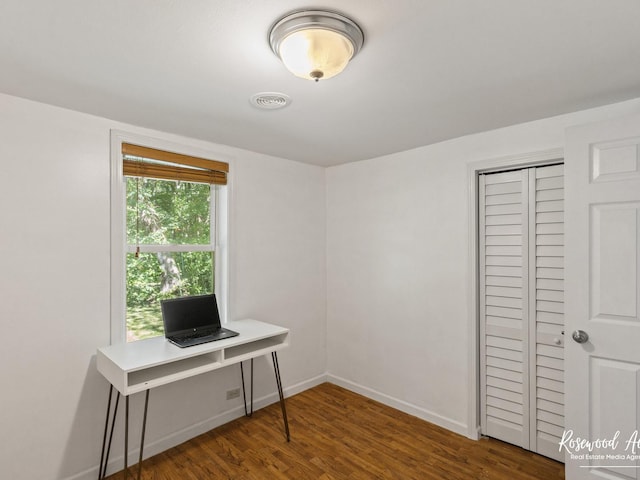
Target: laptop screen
(189, 313)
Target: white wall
(55, 299)
(387, 252)
(398, 302)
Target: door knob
(580, 336)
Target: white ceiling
(429, 70)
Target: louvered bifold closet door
(546, 209)
(503, 222)
(521, 252)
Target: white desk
(145, 364)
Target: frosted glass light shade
(315, 45)
(315, 53)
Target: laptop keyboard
(189, 336)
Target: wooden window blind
(152, 163)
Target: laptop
(193, 320)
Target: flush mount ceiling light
(315, 44)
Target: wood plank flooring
(337, 434)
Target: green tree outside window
(170, 248)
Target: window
(167, 232)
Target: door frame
(474, 169)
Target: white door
(521, 245)
(602, 298)
(546, 309)
(504, 312)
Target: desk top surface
(158, 350)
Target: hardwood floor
(337, 434)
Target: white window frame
(119, 246)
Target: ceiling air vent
(270, 100)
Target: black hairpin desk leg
(106, 447)
(249, 412)
(144, 427)
(104, 458)
(276, 368)
(126, 437)
(244, 396)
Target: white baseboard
(187, 433)
(441, 421)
